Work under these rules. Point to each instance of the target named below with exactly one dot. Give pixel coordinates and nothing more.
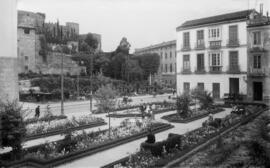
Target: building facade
(258, 58)
(212, 54)
(167, 52)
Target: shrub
(13, 129)
(182, 105)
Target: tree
(106, 101)
(149, 63)
(12, 127)
(204, 97)
(91, 41)
(182, 105)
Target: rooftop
(215, 19)
(163, 44)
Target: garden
(186, 114)
(76, 145)
(247, 146)
(174, 147)
(45, 128)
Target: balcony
(233, 43)
(199, 45)
(199, 70)
(214, 45)
(233, 69)
(215, 69)
(257, 48)
(185, 48)
(185, 71)
(257, 72)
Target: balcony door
(216, 90)
(233, 34)
(200, 62)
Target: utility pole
(91, 84)
(62, 83)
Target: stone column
(8, 51)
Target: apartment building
(258, 88)
(212, 54)
(167, 52)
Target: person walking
(37, 112)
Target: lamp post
(91, 83)
(62, 83)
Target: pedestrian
(150, 137)
(37, 112)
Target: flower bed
(191, 142)
(245, 146)
(137, 113)
(195, 116)
(45, 119)
(77, 146)
(128, 107)
(43, 129)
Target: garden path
(113, 154)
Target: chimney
(261, 9)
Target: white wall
(207, 78)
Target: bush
(68, 144)
(182, 105)
(204, 97)
(13, 129)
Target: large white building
(212, 54)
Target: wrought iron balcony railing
(199, 45)
(185, 48)
(257, 72)
(233, 69)
(215, 69)
(215, 44)
(233, 43)
(200, 70)
(186, 70)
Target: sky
(142, 22)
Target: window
(165, 55)
(256, 38)
(186, 40)
(214, 33)
(175, 68)
(186, 62)
(175, 54)
(166, 68)
(233, 33)
(200, 37)
(26, 68)
(201, 86)
(171, 68)
(215, 59)
(161, 67)
(161, 56)
(170, 54)
(200, 62)
(26, 31)
(186, 87)
(257, 61)
(26, 58)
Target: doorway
(234, 86)
(257, 91)
(216, 90)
